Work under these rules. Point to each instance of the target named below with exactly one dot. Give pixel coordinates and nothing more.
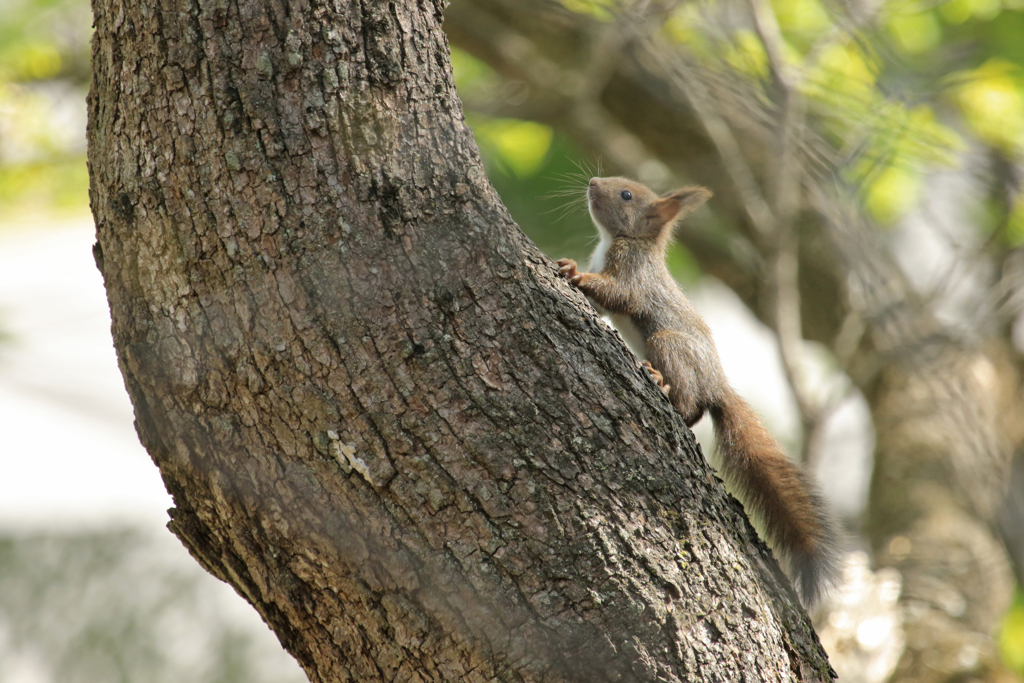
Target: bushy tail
(778, 495)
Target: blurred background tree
(866, 158)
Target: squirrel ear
(677, 204)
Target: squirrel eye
(626, 195)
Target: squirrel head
(624, 208)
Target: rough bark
(382, 416)
(946, 410)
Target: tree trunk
(382, 416)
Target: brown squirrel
(630, 282)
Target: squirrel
(630, 283)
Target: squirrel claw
(657, 377)
(567, 269)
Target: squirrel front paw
(657, 377)
(567, 269)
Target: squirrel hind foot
(657, 377)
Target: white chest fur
(621, 322)
(597, 258)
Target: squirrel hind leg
(671, 353)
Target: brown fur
(636, 289)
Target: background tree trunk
(366, 390)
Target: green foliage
(532, 168)
(41, 39)
(980, 45)
(60, 184)
(42, 159)
(683, 26)
(914, 32)
(31, 60)
(891, 142)
(991, 98)
(746, 54)
(43, 75)
(471, 75)
(604, 10)
(1015, 222)
(897, 142)
(802, 21)
(901, 98)
(519, 147)
(1011, 636)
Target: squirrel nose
(593, 182)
